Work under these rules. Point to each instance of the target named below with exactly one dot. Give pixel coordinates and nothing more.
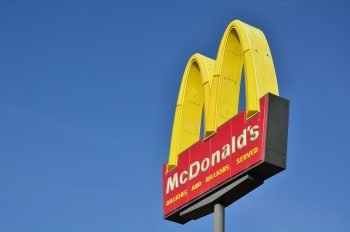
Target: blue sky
(87, 96)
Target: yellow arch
(194, 93)
(217, 85)
(241, 45)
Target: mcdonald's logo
(235, 145)
(215, 85)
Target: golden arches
(216, 85)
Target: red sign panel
(238, 145)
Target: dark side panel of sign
(254, 149)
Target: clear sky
(87, 96)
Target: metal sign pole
(219, 218)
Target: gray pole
(219, 218)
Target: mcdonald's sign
(238, 151)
